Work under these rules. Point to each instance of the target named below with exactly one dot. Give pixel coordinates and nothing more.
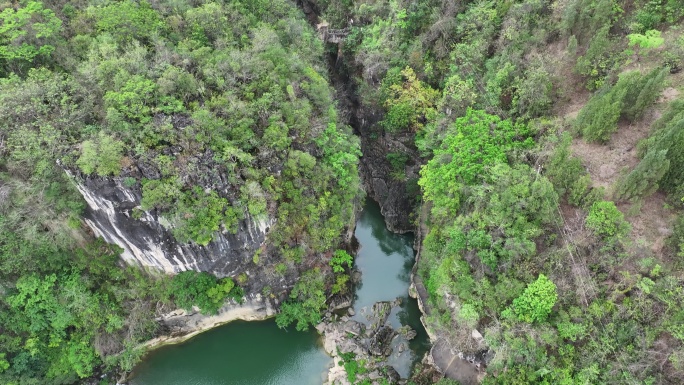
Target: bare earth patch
(653, 224)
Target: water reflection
(385, 260)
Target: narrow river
(258, 353)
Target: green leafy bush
(307, 300)
(409, 103)
(339, 259)
(102, 155)
(599, 59)
(537, 301)
(650, 39)
(200, 215)
(605, 220)
(191, 288)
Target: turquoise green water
(385, 260)
(240, 353)
(258, 353)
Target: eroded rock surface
(371, 345)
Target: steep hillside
(194, 136)
(549, 134)
(536, 145)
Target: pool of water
(240, 353)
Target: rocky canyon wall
(148, 243)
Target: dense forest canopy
(544, 161)
(215, 111)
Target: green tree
(537, 301)
(134, 99)
(650, 39)
(473, 142)
(605, 220)
(643, 180)
(409, 103)
(127, 20)
(191, 288)
(307, 300)
(597, 120)
(339, 259)
(200, 215)
(25, 32)
(102, 155)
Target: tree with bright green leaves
(191, 288)
(648, 40)
(26, 32)
(102, 155)
(199, 215)
(537, 301)
(339, 259)
(605, 220)
(127, 20)
(473, 143)
(306, 302)
(409, 103)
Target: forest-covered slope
(209, 114)
(550, 134)
(538, 143)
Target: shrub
(307, 299)
(599, 59)
(563, 169)
(536, 302)
(339, 259)
(409, 103)
(643, 180)
(606, 221)
(534, 93)
(199, 216)
(650, 39)
(102, 155)
(191, 288)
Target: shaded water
(258, 353)
(385, 260)
(240, 353)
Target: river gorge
(251, 353)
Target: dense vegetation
(529, 240)
(218, 111)
(215, 111)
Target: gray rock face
(378, 174)
(379, 177)
(380, 343)
(148, 243)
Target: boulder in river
(380, 343)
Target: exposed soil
(652, 225)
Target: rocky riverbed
(364, 350)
